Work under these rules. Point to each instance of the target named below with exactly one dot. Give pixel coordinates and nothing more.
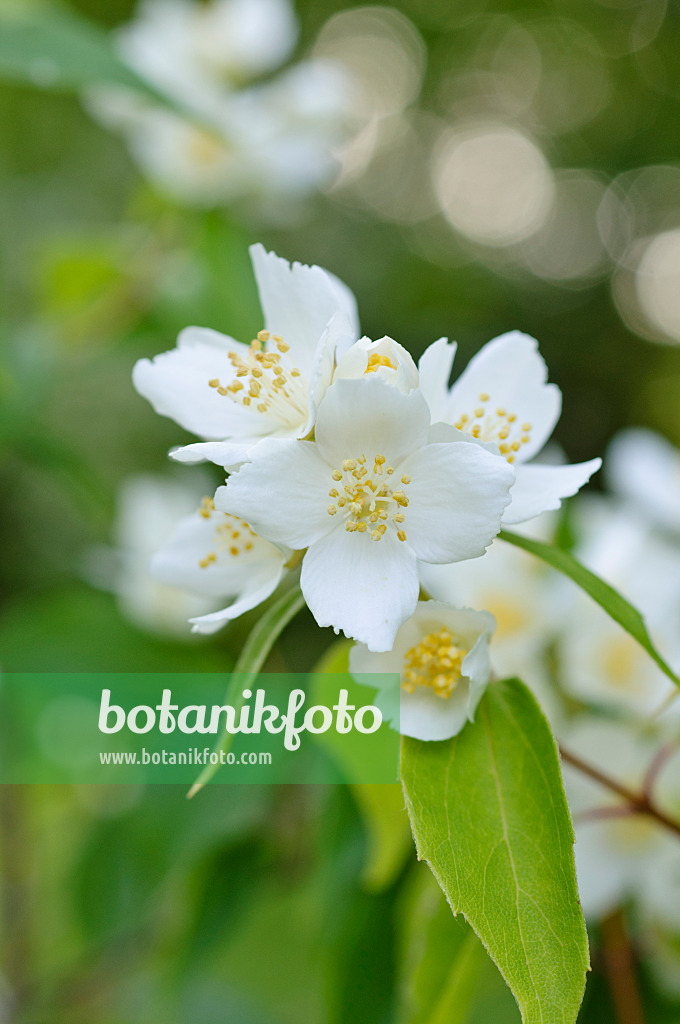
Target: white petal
(541, 488)
(229, 455)
(370, 417)
(298, 302)
(176, 384)
(235, 568)
(434, 368)
(334, 336)
(282, 493)
(512, 372)
(249, 598)
(645, 468)
(362, 587)
(457, 495)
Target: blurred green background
(300, 904)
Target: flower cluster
(228, 129)
(370, 470)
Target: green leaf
(610, 600)
(489, 815)
(446, 974)
(54, 49)
(261, 639)
(381, 806)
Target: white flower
(385, 357)
(368, 499)
(602, 664)
(441, 655)
(237, 394)
(226, 138)
(503, 400)
(628, 856)
(644, 468)
(218, 556)
(188, 49)
(148, 511)
(521, 594)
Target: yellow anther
(483, 397)
(504, 432)
(361, 527)
(401, 535)
(400, 498)
(249, 546)
(331, 509)
(246, 400)
(279, 381)
(233, 550)
(406, 479)
(525, 439)
(501, 412)
(333, 493)
(256, 371)
(376, 360)
(242, 371)
(236, 386)
(262, 407)
(336, 474)
(350, 526)
(256, 346)
(436, 662)
(222, 391)
(295, 372)
(378, 532)
(342, 502)
(398, 517)
(380, 460)
(349, 464)
(515, 446)
(389, 471)
(263, 335)
(214, 383)
(511, 458)
(526, 427)
(511, 418)
(475, 431)
(479, 413)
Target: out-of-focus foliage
(298, 904)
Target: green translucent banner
(113, 728)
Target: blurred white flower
(644, 468)
(235, 394)
(621, 857)
(525, 600)
(219, 557)
(441, 655)
(368, 499)
(224, 136)
(148, 511)
(601, 663)
(503, 401)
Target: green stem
(261, 639)
(609, 599)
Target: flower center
(437, 662)
(267, 382)
(496, 425)
(366, 500)
(205, 147)
(376, 360)
(232, 535)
